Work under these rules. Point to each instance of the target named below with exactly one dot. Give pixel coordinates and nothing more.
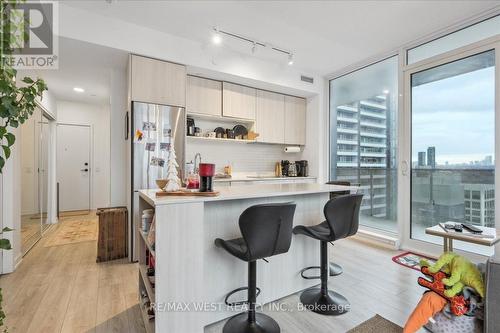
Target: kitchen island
(193, 276)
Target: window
(468, 35)
(363, 143)
(453, 124)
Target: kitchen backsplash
(252, 157)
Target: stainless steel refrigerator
(155, 130)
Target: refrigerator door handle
(127, 126)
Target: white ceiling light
(290, 59)
(216, 38)
(78, 89)
(386, 91)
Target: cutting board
(186, 194)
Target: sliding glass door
(451, 118)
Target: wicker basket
(112, 240)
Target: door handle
(86, 170)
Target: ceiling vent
(307, 79)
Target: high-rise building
(479, 201)
(431, 157)
(364, 151)
(421, 158)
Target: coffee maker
(302, 168)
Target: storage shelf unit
(220, 118)
(144, 285)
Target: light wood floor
(62, 289)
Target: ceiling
(325, 36)
(83, 65)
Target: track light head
(216, 38)
(290, 59)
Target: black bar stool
(266, 231)
(336, 269)
(342, 219)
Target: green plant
(17, 102)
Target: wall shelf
(220, 118)
(204, 138)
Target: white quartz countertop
(245, 192)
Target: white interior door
(73, 167)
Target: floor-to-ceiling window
(363, 138)
(453, 144)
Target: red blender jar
(207, 172)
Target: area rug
(411, 260)
(377, 324)
(83, 229)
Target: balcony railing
(438, 194)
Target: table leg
(450, 244)
(445, 245)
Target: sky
(455, 115)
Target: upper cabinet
(295, 120)
(238, 101)
(204, 96)
(270, 117)
(156, 81)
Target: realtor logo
(30, 28)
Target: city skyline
(455, 115)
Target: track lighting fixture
(217, 39)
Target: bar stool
(266, 231)
(336, 269)
(342, 220)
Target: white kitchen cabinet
(270, 117)
(238, 101)
(204, 96)
(156, 81)
(295, 120)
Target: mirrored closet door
(34, 135)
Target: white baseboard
(378, 239)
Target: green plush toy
(462, 273)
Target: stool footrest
(239, 302)
(310, 277)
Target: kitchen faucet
(197, 166)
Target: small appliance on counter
(292, 169)
(278, 172)
(190, 126)
(302, 168)
(284, 167)
(207, 173)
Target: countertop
(246, 192)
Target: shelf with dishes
(212, 129)
(205, 138)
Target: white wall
(98, 117)
(244, 158)
(118, 105)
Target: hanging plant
(17, 101)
